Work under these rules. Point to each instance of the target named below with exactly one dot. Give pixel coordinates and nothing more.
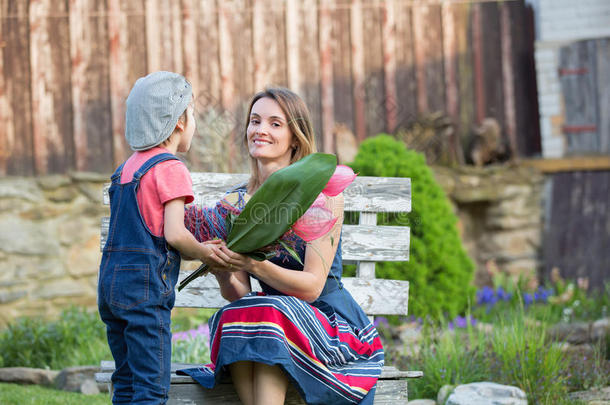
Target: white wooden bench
(362, 244)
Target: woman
(304, 328)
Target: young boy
(141, 259)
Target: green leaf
(292, 252)
(280, 202)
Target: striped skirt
(328, 360)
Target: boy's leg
(122, 377)
(148, 339)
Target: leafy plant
(438, 268)
(522, 356)
(452, 358)
(78, 337)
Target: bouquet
(292, 201)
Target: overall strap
(116, 176)
(162, 157)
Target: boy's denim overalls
(137, 277)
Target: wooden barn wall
(66, 68)
(577, 226)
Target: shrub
(78, 337)
(438, 268)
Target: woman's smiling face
(269, 136)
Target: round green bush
(439, 270)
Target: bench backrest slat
(369, 194)
(359, 242)
(376, 297)
(363, 244)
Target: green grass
(14, 394)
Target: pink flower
(316, 221)
(341, 178)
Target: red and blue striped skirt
(329, 359)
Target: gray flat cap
(154, 105)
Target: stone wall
(49, 243)
(501, 217)
(49, 232)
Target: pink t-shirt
(164, 182)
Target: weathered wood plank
(309, 57)
(184, 390)
(50, 86)
(189, 46)
(477, 61)
(602, 67)
(292, 45)
(360, 242)
(406, 86)
(371, 194)
(373, 65)
(464, 60)
(579, 89)
(569, 164)
(508, 78)
(492, 64)
(522, 58)
(90, 86)
(388, 32)
(16, 155)
(341, 55)
(376, 296)
(358, 74)
(326, 76)
(106, 366)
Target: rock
(10, 296)
(486, 393)
(600, 329)
(27, 238)
(89, 387)
(53, 181)
(20, 188)
(26, 375)
(443, 394)
(61, 288)
(575, 333)
(422, 402)
(79, 379)
(595, 395)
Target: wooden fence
(584, 73)
(66, 68)
(577, 227)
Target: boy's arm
(181, 239)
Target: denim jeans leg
(122, 378)
(149, 344)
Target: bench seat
(391, 387)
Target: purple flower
(202, 330)
(502, 294)
(460, 321)
(380, 320)
(542, 294)
(486, 296)
(527, 298)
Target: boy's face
(186, 136)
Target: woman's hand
(236, 261)
(213, 255)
